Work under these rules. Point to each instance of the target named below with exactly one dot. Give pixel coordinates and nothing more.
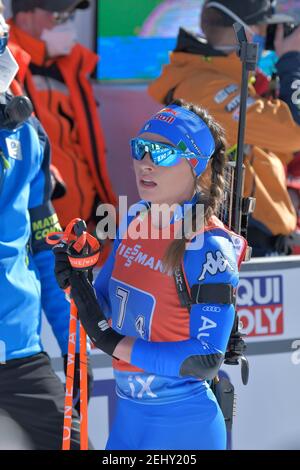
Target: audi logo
(210, 308)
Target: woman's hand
(63, 268)
(89, 310)
(91, 315)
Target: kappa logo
(214, 263)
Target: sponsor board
(260, 305)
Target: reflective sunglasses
(3, 42)
(160, 154)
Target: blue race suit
(26, 261)
(164, 403)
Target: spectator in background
(30, 393)
(17, 89)
(208, 72)
(56, 80)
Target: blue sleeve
(288, 68)
(210, 324)
(43, 221)
(42, 214)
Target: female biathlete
(164, 352)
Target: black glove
(89, 311)
(63, 268)
(76, 385)
(91, 315)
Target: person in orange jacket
(54, 69)
(208, 72)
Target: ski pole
(67, 429)
(83, 391)
(83, 252)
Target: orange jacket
(63, 101)
(271, 133)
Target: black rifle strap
(202, 293)
(182, 290)
(212, 293)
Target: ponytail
(209, 186)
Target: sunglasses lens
(137, 149)
(166, 156)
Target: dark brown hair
(211, 183)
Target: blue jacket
(27, 282)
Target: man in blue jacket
(30, 393)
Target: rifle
(234, 213)
(236, 208)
